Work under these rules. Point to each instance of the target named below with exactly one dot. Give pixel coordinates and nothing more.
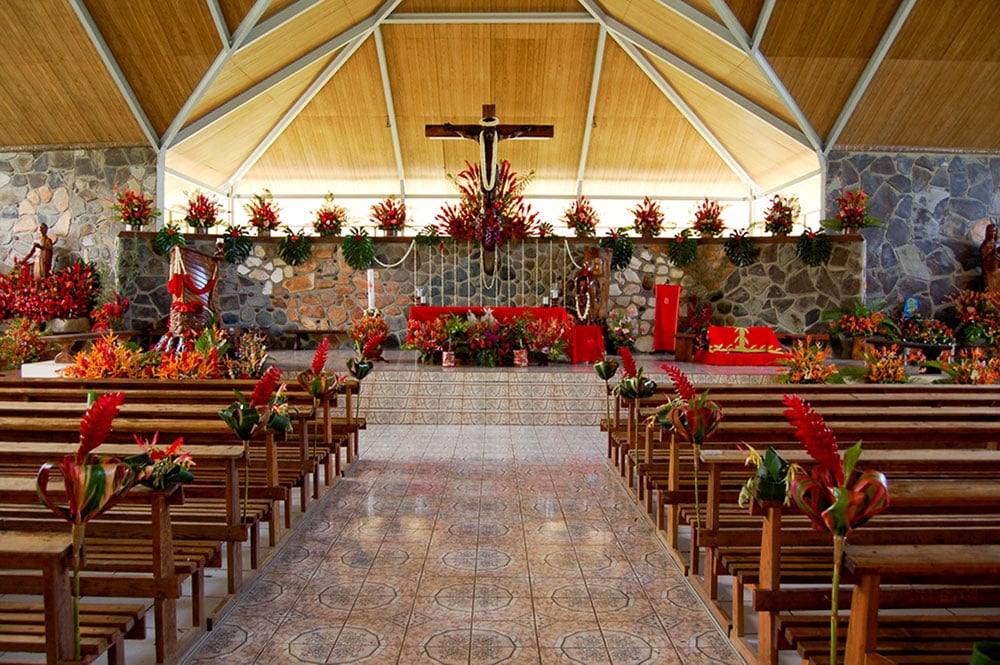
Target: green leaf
(682, 250)
(814, 249)
(236, 245)
(851, 457)
(740, 250)
(358, 249)
(621, 249)
(168, 237)
(295, 249)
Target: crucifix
(487, 134)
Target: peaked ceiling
(648, 97)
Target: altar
(427, 313)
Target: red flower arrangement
(263, 211)
(65, 294)
(203, 211)
(708, 219)
(389, 215)
(780, 217)
(109, 315)
(330, 218)
(853, 213)
(369, 333)
(134, 208)
(648, 218)
(582, 218)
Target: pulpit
(668, 307)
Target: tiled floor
(475, 545)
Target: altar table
(427, 313)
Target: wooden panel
(162, 48)
(642, 145)
(283, 46)
(767, 155)
(748, 12)
(215, 153)
(937, 86)
(820, 55)
(423, 6)
(235, 10)
(533, 73)
(335, 139)
(54, 89)
(708, 53)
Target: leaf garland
(295, 248)
(814, 248)
(620, 245)
(429, 237)
(740, 249)
(236, 244)
(167, 238)
(683, 250)
(358, 249)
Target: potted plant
(648, 218)
(623, 327)
(581, 218)
(857, 322)
(263, 212)
(389, 215)
(708, 220)
(202, 211)
(779, 219)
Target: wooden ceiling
(648, 97)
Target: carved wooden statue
(591, 286)
(989, 253)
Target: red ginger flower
(266, 385)
(681, 383)
(319, 358)
(628, 362)
(95, 425)
(811, 430)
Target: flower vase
(858, 347)
(391, 233)
(78, 325)
(520, 357)
(263, 232)
(447, 359)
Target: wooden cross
(487, 133)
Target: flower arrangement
(636, 387)
(92, 485)
(708, 219)
(606, 368)
(320, 383)
(852, 215)
(859, 319)
(978, 315)
(295, 248)
(885, 364)
(22, 342)
(779, 219)
(202, 211)
(134, 209)
(369, 333)
(835, 495)
(508, 218)
(648, 218)
(263, 212)
(330, 218)
(428, 338)
(64, 294)
(924, 331)
(697, 318)
(770, 482)
(807, 363)
(109, 315)
(389, 215)
(581, 218)
(623, 327)
(546, 338)
(158, 468)
(973, 366)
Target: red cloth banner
(668, 307)
(754, 345)
(586, 344)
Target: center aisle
(471, 544)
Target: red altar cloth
(586, 344)
(728, 345)
(668, 306)
(425, 313)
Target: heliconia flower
(95, 425)
(319, 358)
(628, 362)
(681, 382)
(266, 385)
(811, 430)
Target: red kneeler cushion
(728, 345)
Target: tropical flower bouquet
(263, 212)
(708, 219)
(389, 215)
(581, 218)
(158, 468)
(973, 366)
(22, 342)
(546, 339)
(807, 363)
(623, 327)
(924, 331)
(860, 320)
(852, 215)
(780, 218)
(369, 333)
(885, 364)
(978, 314)
(202, 211)
(320, 383)
(648, 218)
(330, 218)
(109, 315)
(636, 387)
(134, 209)
(770, 482)
(428, 338)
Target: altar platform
(404, 391)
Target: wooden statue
(591, 286)
(43, 264)
(989, 253)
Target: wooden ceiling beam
(108, 58)
(280, 18)
(761, 28)
(595, 82)
(342, 57)
(702, 20)
(220, 21)
(871, 68)
(194, 181)
(452, 18)
(383, 68)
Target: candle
(555, 291)
(371, 288)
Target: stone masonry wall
(935, 208)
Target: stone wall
(264, 292)
(935, 209)
(71, 191)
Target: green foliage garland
(236, 244)
(683, 250)
(814, 248)
(429, 237)
(295, 248)
(621, 248)
(168, 237)
(740, 249)
(358, 249)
